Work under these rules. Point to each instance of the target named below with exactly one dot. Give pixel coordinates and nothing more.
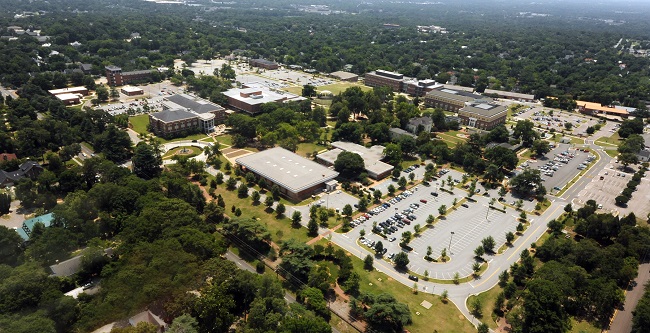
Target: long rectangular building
(250, 100)
(116, 77)
(400, 83)
(450, 100)
(297, 177)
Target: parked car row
(411, 168)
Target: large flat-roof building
(382, 78)
(297, 177)
(250, 100)
(372, 157)
(400, 83)
(69, 99)
(116, 77)
(345, 76)
(449, 99)
(510, 95)
(596, 109)
(83, 91)
(185, 114)
(263, 63)
(482, 114)
(132, 91)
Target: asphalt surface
(622, 322)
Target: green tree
(347, 210)
(488, 244)
(184, 324)
(479, 251)
(256, 197)
(308, 91)
(543, 310)
(442, 210)
(510, 237)
(312, 227)
(280, 209)
(296, 218)
(349, 165)
(242, 190)
(401, 260)
(541, 147)
(391, 190)
(368, 262)
(402, 182)
(10, 250)
(386, 314)
(268, 202)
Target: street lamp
(449, 247)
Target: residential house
(424, 123)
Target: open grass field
(442, 317)
(611, 152)
(294, 90)
(308, 148)
(225, 139)
(280, 228)
(339, 87)
(140, 123)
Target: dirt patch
(238, 153)
(228, 150)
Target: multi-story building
(482, 114)
(116, 77)
(448, 99)
(415, 123)
(185, 114)
(400, 83)
(263, 63)
(372, 158)
(250, 100)
(382, 78)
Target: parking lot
(152, 98)
(604, 191)
(560, 165)
(542, 117)
(469, 224)
(269, 83)
(296, 77)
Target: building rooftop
(371, 156)
(67, 97)
(138, 72)
(483, 108)
(70, 90)
(341, 75)
(28, 225)
(264, 61)
(400, 131)
(509, 94)
(113, 68)
(388, 74)
(600, 108)
(131, 89)
(458, 95)
(424, 121)
(173, 115)
(68, 267)
(287, 169)
(254, 96)
(194, 104)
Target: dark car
(465, 205)
(435, 194)
(414, 278)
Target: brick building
(250, 100)
(185, 114)
(449, 100)
(382, 78)
(263, 63)
(116, 77)
(483, 114)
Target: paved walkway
(622, 322)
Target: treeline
(583, 279)
(492, 56)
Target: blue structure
(28, 225)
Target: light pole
(449, 247)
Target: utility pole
(449, 247)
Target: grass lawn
(294, 90)
(487, 305)
(611, 152)
(140, 123)
(583, 327)
(326, 103)
(280, 228)
(339, 87)
(450, 138)
(225, 139)
(194, 151)
(443, 317)
(308, 148)
(613, 140)
(409, 162)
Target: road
(622, 322)
(593, 172)
(458, 294)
